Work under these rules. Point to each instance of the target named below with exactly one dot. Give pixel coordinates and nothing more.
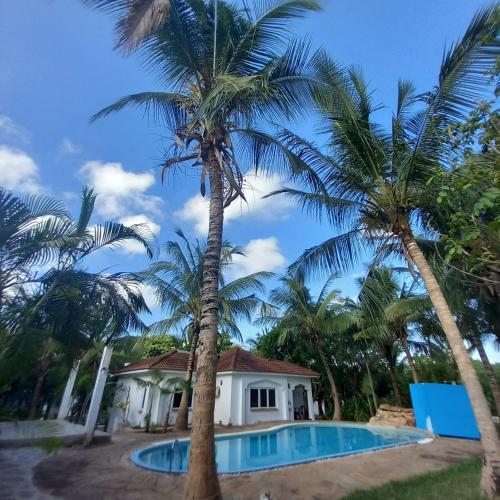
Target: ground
(105, 472)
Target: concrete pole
(95, 402)
(65, 405)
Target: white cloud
(259, 255)
(148, 292)
(134, 247)
(121, 192)
(69, 148)
(18, 171)
(11, 130)
(195, 210)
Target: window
(262, 398)
(177, 399)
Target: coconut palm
(59, 305)
(383, 314)
(298, 315)
(136, 20)
(376, 182)
(223, 75)
(178, 284)
(30, 235)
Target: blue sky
(58, 67)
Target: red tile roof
(234, 360)
(239, 360)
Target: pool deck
(106, 472)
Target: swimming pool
(278, 447)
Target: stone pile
(393, 416)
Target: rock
(393, 416)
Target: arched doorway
(300, 403)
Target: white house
(250, 389)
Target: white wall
(134, 414)
(232, 405)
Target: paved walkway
(33, 432)
(105, 472)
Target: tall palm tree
(178, 286)
(377, 195)
(223, 75)
(136, 20)
(299, 315)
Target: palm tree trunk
(202, 481)
(370, 380)
(394, 380)
(337, 411)
(181, 422)
(409, 356)
(41, 372)
(36, 396)
(490, 476)
(490, 372)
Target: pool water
(278, 447)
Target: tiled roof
(239, 360)
(234, 360)
(172, 360)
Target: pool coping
(427, 437)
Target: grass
(460, 482)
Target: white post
(310, 402)
(95, 402)
(65, 406)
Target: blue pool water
(278, 447)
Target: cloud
(148, 292)
(18, 171)
(259, 255)
(69, 148)
(195, 210)
(10, 130)
(134, 247)
(121, 192)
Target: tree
(178, 287)
(136, 20)
(226, 69)
(376, 182)
(314, 320)
(160, 344)
(64, 307)
(30, 233)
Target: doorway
(300, 403)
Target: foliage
(468, 202)
(159, 344)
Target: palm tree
(314, 320)
(224, 74)
(136, 20)
(376, 182)
(178, 285)
(30, 232)
(383, 314)
(59, 305)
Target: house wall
(232, 403)
(138, 406)
(223, 399)
(241, 384)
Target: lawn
(460, 482)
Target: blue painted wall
(444, 410)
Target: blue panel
(444, 410)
